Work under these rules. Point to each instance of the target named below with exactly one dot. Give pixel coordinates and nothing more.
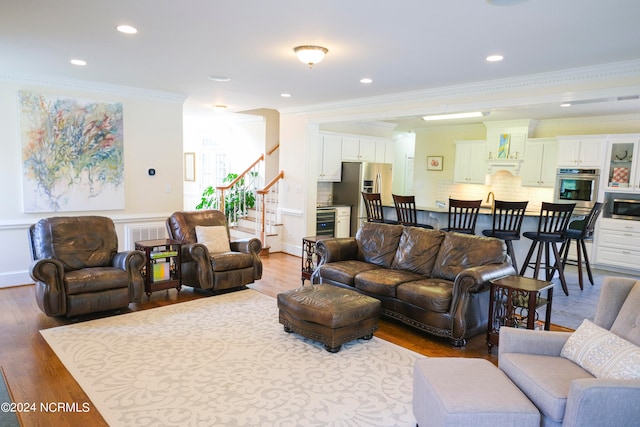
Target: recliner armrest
(249, 245)
(48, 274)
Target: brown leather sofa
(201, 269)
(77, 268)
(433, 280)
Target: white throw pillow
(602, 353)
(215, 238)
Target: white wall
(152, 126)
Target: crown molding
(532, 83)
(91, 86)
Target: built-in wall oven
(579, 186)
(326, 222)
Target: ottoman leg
(287, 329)
(332, 349)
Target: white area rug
(226, 361)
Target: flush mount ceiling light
(79, 62)
(495, 58)
(456, 115)
(219, 78)
(310, 55)
(127, 29)
(219, 108)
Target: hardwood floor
(36, 376)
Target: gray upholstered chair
(213, 262)
(77, 268)
(565, 392)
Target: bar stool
(554, 219)
(406, 211)
(581, 230)
(463, 215)
(373, 205)
(507, 221)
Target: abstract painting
(72, 154)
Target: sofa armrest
(132, 262)
(476, 279)
(50, 293)
(544, 343)
(600, 402)
(336, 249)
(249, 245)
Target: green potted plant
(233, 197)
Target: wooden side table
(309, 257)
(162, 267)
(513, 302)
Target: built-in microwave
(625, 209)
(579, 186)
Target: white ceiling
(403, 45)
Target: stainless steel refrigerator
(358, 177)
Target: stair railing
(241, 193)
(268, 207)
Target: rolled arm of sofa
(337, 249)
(132, 262)
(50, 293)
(198, 253)
(253, 246)
(476, 279)
(250, 245)
(598, 402)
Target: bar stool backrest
(590, 220)
(463, 215)
(554, 218)
(373, 205)
(508, 216)
(405, 209)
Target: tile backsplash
(504, 186)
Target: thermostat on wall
(152, 172)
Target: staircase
(262, 219)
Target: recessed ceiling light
(495, 58)
(285, 95)
(79, 62)
(219, 78)
(566, 104)
(366, 80)
(127, 29)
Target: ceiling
(404, 46)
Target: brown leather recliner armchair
(202, 269)
(77, 268)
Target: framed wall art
(190, 167)
(434, 163)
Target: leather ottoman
(329, 314)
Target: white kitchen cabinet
(470, 165)
(581, 151)
(330, 158)
(618, 243)
(343, 221)
(385, 151)
(358, 150)
(622, 170)
(540, 165)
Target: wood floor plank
(35, 374)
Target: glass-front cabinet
(622, 173)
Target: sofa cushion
(344, 271)
(417, 250)
(629, 315)
(382, 281)
(430, 294)
(602, 353)
(459, 251)
(544, 379)
(377, 242)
